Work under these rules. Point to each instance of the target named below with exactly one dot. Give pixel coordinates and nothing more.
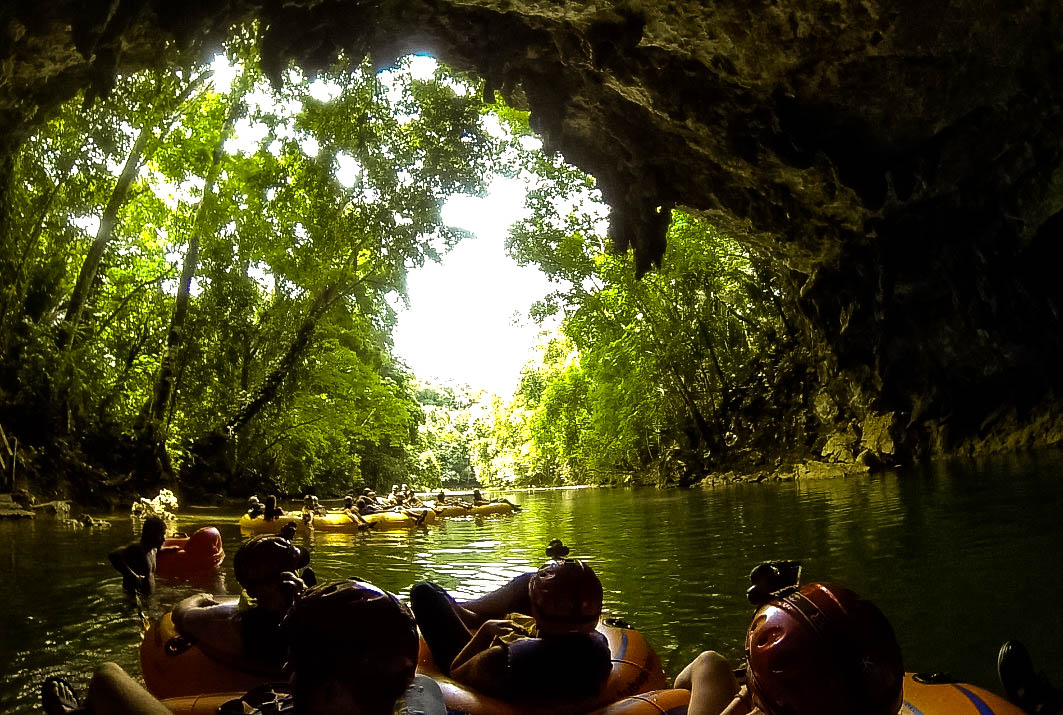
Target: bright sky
(467, 321)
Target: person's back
(554, 653)
(255, 508)
(271, 511)
(136, 561)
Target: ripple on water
(939, 550)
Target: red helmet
(566, 596)
(206, 542)
(823, 649)
(263, 559)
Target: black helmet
(263, 559)
(354, 631)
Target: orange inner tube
(201, 553)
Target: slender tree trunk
(164, 381)
(12, 292)
(212, 453)
(108, 220)
(271, 385)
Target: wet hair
(153, 526)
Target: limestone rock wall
(899, 164)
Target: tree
(653, 361)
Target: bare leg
(440, 621)
(511, 598)
(112, 690)
(711, 681)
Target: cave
(897, 166)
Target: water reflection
(960, 556)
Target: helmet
(823, 649)
(566, 596)
(252, 500)
(352, 630)
(264, 558)
(205, 542)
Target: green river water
(960, 556)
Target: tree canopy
(201, 271)
(201, 274)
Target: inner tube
(636, 670)
(340, 522)
(174, 667)
(452, 510)
(656, 702)
(259, 525)
(195, 555)
(933, 695)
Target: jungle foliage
(641, 380)
(199, 274)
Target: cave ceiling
(899, 165)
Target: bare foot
(58, 697)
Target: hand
(498, 627)
(291, 585)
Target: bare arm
(481, 641)
(481, 665)
(124, 560)
(215, 628)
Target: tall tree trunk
(212, 454)
(271, 385)
(16, 258)
(108, 221)
(164, 380)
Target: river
(959, 555)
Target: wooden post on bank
(9, 479)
